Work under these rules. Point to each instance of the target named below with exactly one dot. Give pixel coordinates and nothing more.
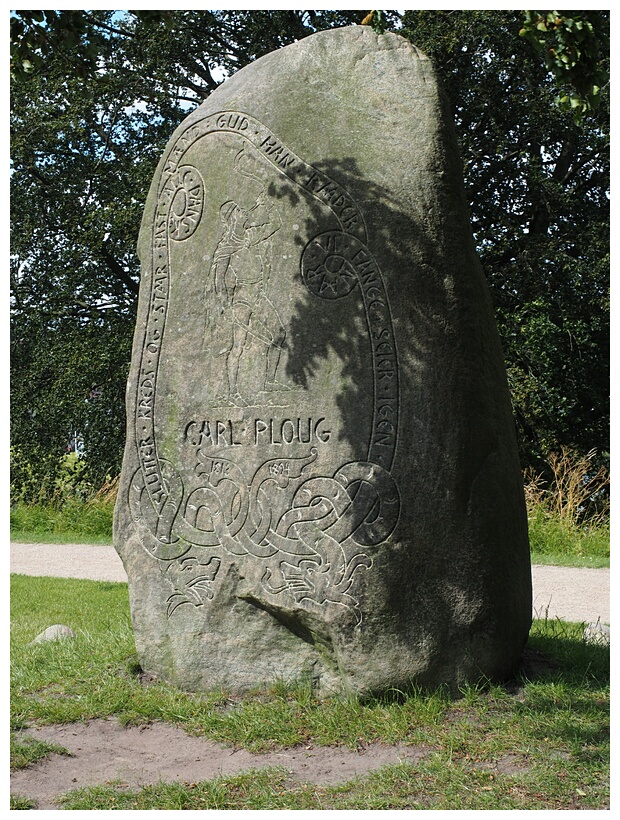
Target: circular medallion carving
(327, 267)
(187, 202)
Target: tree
(97, 94)
(538, 184)
(576, 49)
(81, 159)
(95, 97)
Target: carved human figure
(237, 302)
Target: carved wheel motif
(186, 204)
(327, 267)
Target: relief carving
(236, 302)
(305, 536)
(187, 203)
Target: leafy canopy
(97, 94)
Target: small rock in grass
(54, 633)
(597, 633)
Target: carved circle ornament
(309, 532)
(327, 267)
(187, 203)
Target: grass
(541, 742)
(563, 543)
(72, 522)
(440, 782)
(552, 540)
(26, 750)
(73, 513)
(21, 803)
(568, 512)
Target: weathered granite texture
(321, 479)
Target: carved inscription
(228, 433)
(332, 265)
(238, 307)
(327, 265)
(307, 535)
(277, 152)
(332, 194)
(287, 431)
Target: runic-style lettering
(215, 433)
(290, 431)
(150, 471)
(334, 196)
(233, 122)
(384, 433)
(160, 286)
(277, 152)
(286, 276)
(227, 433)
(216, 495)
(160, 239)
(147, 449)
(146, 396)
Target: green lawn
(74, 522)
(539, 742)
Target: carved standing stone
(321, 479)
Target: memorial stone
(321, 480)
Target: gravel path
(97, 562)
(568, 593)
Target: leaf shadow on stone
(317, 332)
(313, 331)
(449, 356)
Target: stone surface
(321, 480)
(56, 632)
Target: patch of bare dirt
(103, 751)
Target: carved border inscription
(308, 535)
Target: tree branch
(204, 72)
(118, 270)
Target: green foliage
(73, 266)
(69, 484)
(575, 46)
(540, 742)
(71, 510)
(96, 95)
(35, 34)
(553, 541)
(568, 510)
(376, 20)
(84, 147)
(25, 750)
(18, 803)
(576, 490)
(72, 522)
(538, 185)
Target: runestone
(320, 481)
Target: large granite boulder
(321, 478)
